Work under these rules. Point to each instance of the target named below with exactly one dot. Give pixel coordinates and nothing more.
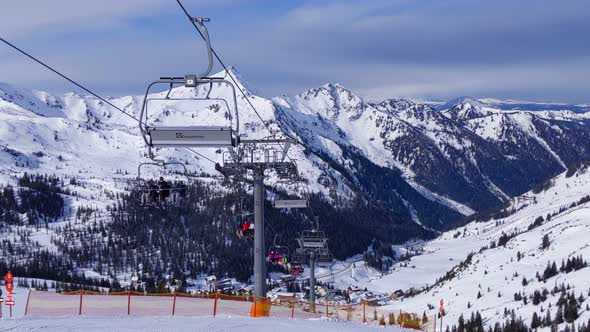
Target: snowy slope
(496, 272)
(219, 323)
(427, 166)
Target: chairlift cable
(200, 155)
(234, 80)
(67, 78)
(82, 87)
(226, 70)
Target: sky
(534, 50)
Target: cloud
(429, 48)
(20, 18)
(381, 48)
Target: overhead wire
(273, 134)
(201, 155)
(67, 78)
(64, 76)
(59, 73)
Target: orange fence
(87, 303)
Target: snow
(497, 270)
(168, 323)
(80, 136)
(209, 324)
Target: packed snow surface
(208, 324)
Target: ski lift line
(200, 155)
(66, 78)
(190, 18)
(266, 222)
(81, 86)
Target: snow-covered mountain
(504, 264)
(425, 169)
(444, 164)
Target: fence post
(128, 302)
(327, 314)
(26, 306)
(174, 304)
(293, 307)
(364, 312)
(215, 305)
(80, 309)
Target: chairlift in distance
(291, 203)
(244, 223)
(152, 193)
(296, 270)
(191, 136)
(312, 239)
(278, 254)
(324, 258)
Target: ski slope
(496, 273)
(208, 324)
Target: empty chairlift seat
(324, 258)
(312, 239)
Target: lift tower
(254, 157)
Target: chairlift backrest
(298, 203)
(160, 164)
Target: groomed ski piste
(208, 324)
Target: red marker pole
(80, 310)
(174, 304)
(128, 302)
(215, 306)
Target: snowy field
(208, 324)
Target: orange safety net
(88, 303)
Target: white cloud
(23, 17)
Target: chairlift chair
(324, 258)
(287, 171)
(297, 203)
(226, 135)
(151, 193)
(244, 224)
(312, 239)
(278, 254)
